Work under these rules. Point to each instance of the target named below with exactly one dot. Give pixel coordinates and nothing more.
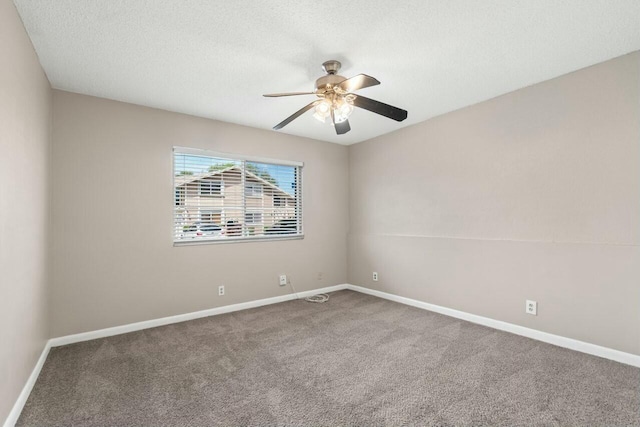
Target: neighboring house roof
(181, 180)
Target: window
(180, 193)
(253, 189)
(211, 216)
(210, 187)
(253, 218)
(224, 197)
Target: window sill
(237, 240)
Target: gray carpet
(356, 360)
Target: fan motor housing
(329, 79)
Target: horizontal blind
(225, 198)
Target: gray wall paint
(113, 258)
(532, 195)
(25, 122)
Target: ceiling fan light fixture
(323, 110)
(337, 100)
(342, 110)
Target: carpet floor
(355, 360)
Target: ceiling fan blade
(358, 82)
(341, 127)
(275, 95)
(381, 108)
(295, 115)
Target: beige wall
(113, 258)
(25, 118)
(532, 195)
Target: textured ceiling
(216, 58)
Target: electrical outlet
(283, 280)
(375, 276)
(531, 307)
(220, 290)
(320, 276)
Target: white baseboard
(596, 350)
(131, 327)
(15, 412)
(117, 330)
(581, 346)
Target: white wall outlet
(531, 307)
(375, 276)
(220, 290)
(320, 276)
(283, 280)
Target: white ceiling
(215, 59)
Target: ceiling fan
(336, 99)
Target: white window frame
(298, 196)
